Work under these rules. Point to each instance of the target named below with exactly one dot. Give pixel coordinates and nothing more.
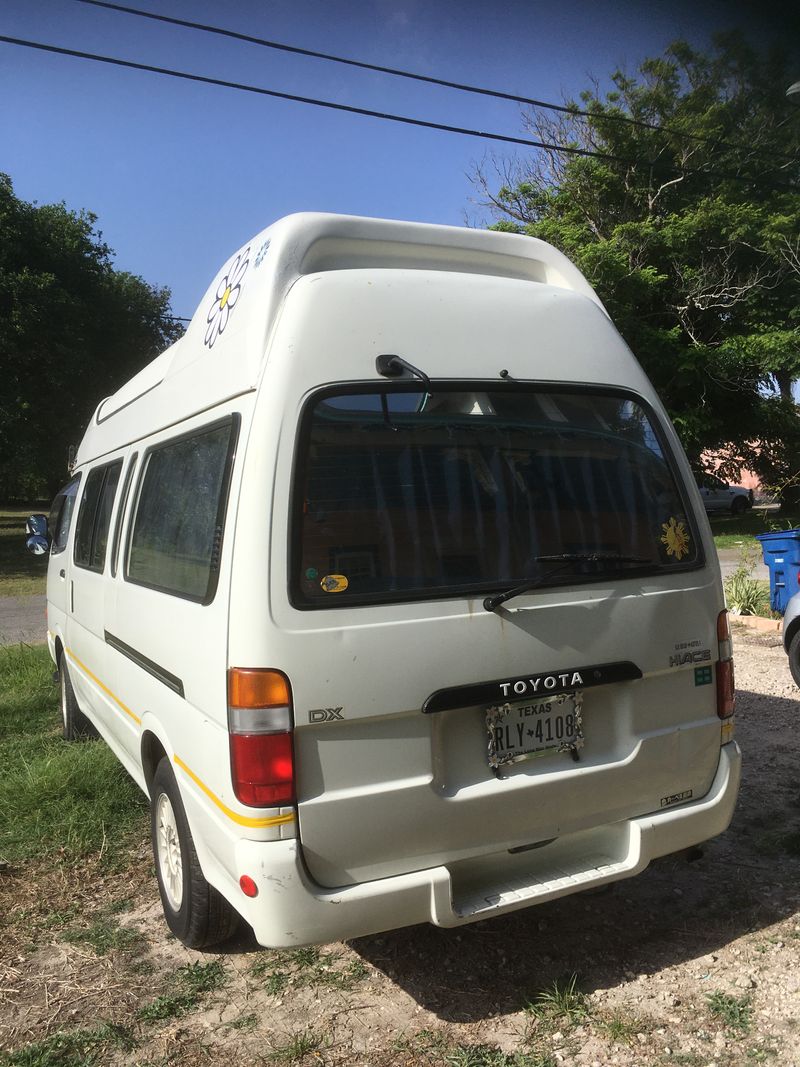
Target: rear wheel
(794, 657)
(75, 725)
(196, 913)
(738, 505)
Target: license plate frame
(535, 725)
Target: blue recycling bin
(781, 551)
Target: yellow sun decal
(676, 538)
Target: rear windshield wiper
(491, 603)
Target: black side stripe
(171, 681)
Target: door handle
(62, 573)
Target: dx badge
(325, 714)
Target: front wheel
(196, 913)
(794, 657)
(75, 725)
(738, 506)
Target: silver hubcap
(168, 847)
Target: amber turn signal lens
(257, 688)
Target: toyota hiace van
(390, 584)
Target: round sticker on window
(675, 538)
(334, 583)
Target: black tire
(794, 657)
(75, 725)
(196, 913)
(738, 505)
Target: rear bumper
(291, 909)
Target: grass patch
(736, 1013)
(308, 968)
(620, 1030)
(561, 1002)
(298, 1046)
(435, 1049)
(738, 531)
(191, 984)
(104, 935)
(75, 1048)
(775, 842)
(244, 1022)
(21, 574)
(490, 1056)
(761, 1055)
(56, 799)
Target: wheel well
(791, 630)
(59, 648)
(152, 754)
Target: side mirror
(37, 544)
(36, 524)
(38, 541)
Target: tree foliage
(72, 330)
(688, 230)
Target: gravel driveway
(22, 618)
(692, 964)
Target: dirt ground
(693, 963)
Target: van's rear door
(430, 729)
(396, 505)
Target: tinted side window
(126, 488)
(180, 513)
(94, 517)
(103, 522)
(61, 515)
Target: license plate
(523, 731)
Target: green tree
(688, 229)
(72, 330)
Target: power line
(349, 108)
(428, 79)
(369, 113)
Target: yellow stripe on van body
(105, 688)
(242, 820)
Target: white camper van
(390, 584)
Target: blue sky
(180, 174)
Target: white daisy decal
(226, 297)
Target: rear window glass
(404, 494)
(177, 529)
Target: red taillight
(248, 886)
(262, 766)
(726, 692)
(260, 725)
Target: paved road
(730, 558)
(22, 618)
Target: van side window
(123, 503)
(176, 538)
(94, 517)
(61, 515)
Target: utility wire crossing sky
(121, 112)
(389, 117)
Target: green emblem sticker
(702, 676)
